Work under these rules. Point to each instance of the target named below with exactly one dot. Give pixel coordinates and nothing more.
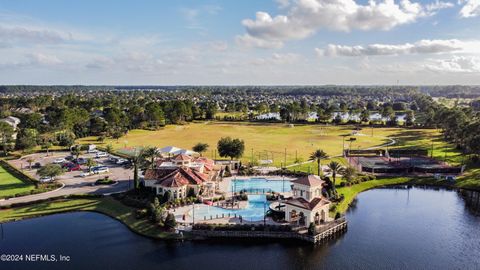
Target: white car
(121, 161)
(101, 169)
(85, 174)
(101, 154)
(46, 179)
(59, 160)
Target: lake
(388, 229)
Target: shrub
(141, 213)
(338, 215)
(170, 222)
(311, 229)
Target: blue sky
(240, 42)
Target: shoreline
(144, 228)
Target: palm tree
(135, 160)
(90, 163)
(109, 148)
(76, 151)
(30, 161)
(335, 167)
(318, 155)
(349, 173)
(200, 148)
(148, 154)
(46, 146)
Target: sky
(243, 42)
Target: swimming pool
(257, 204)
(254, 211)
(260, 185)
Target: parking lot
(72, 180)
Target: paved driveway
(73, 183)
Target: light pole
(264, 214)
(193, 215)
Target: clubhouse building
(181, 175)
(307, 205)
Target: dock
(327, 231)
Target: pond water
(388, 229)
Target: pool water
(257, 204)
(260, 185)
(254, 211)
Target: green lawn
(10, 185)
(107, 206)
(268, 141)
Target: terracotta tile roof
(176, 177)
(301, 202)
(156, 174)
(182, 157)
(310, 180)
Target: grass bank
(105, 205)
(11, 185)
(351, 192)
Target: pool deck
(182, 214)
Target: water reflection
(388, 229)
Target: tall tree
(317, 156)
(200, 148)
(6, 133)
(232, 148)
(335, 168)
(50, 170)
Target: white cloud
(437, 5)
(251, 42)
(43, 59)
(470, 9)
(458, 64)
(277, 59)
(420, 47)
(32, 34)
(304, 17)
(283, 3)
(219, 46)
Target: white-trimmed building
(307, 205)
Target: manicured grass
(268, 141)
(351, 192)
(107, 206)
(11, 185)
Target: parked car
(81, 161)
(71, 166)
(113, 159)
(92, 151)
(37, 165)
(100, 169)
(85, 174)
(69, 158)
(101, 154)
(121, 161)
(46, 179)
(59, 160)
